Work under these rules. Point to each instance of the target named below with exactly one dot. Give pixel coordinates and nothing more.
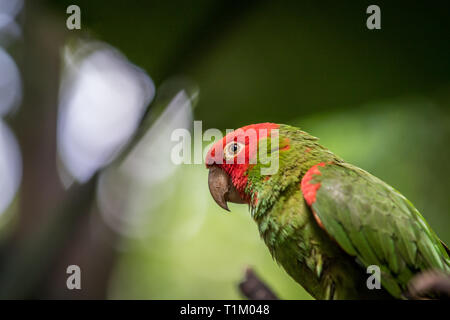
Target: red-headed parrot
(324, 220)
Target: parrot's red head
(229, 159)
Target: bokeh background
(86, 118)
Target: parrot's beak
(221, 188)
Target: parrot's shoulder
(373, 222)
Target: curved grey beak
(221, 188)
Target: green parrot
(324, 220)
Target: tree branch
(432, 283)
(254, 288)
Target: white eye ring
(232, 149)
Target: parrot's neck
(298, 152)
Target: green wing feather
(376, 224)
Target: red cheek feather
(237, 173)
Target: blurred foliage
(194, 250)
(259, 61)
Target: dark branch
(254, 288)
(430, 283)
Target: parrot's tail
(445, 247)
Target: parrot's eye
(232, 149)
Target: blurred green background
(378, 98)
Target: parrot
(326, 222)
